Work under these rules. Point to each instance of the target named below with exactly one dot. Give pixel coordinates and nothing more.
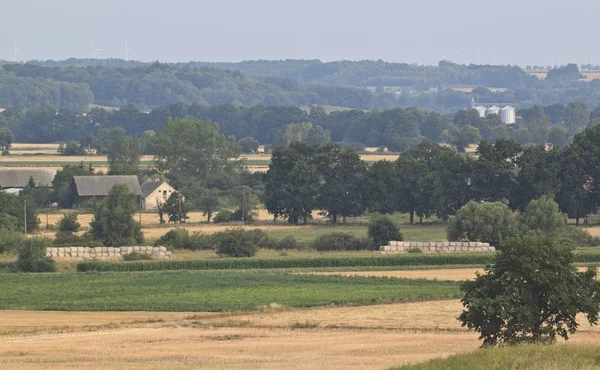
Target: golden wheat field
(368, 337)
(434, 274)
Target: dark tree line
(398, 129)
(433, 180)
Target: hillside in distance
(74, 84)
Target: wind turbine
(14, 50)
(126, 50)
(94, 53)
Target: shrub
(135, 256)
(10, 241)
(237, 243)
(287, 243)
(382, 230)
(181, 239)
(174, 239)
(414, 250)
(68, 223)
(223, 216)
(341, 242)
(238, 214)
(32, 256)
(483, 222)
(580, 237)
(542, 217)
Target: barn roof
(98, 186)
(149, 186)
(19, 177)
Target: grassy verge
(206, 291)
(549, 357)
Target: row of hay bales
(436, 247)
(107, 252)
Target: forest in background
(75, 84)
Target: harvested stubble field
(431, 274)
(368, 337)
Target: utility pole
(47, 211)
(25, 215)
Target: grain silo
(508, 115)
(481, 110)
(493, 110)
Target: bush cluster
(32, 256)
(10, 241)
(341, 242)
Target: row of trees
(433, 180)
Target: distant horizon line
(133, 61)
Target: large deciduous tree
(491, 223)
(292, 182)
(343, 179)
(530, 293)
(191, 151)
(124, 156)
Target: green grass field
(205, 291)
(531, 357)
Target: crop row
(245, 263)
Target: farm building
(17, 178)
(155, 192)
(97, 187)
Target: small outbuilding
(97, 187)
(155, 192)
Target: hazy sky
(422, 31)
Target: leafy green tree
(32, 256)
(493, 177)
(383, 230)
(248, 145)
(71, 148)
(209, 202)
(317, 136)
(542, 217)
(176, 208)
(124, 156)
(292, 183)
(538, 175)
(236, 243)
(492, 223)
(461, 137)
(538, 124)
(6, 140)
(113, 222)
(531, 293)
(413, 177)
(467, 117)
(450, 182)
(343, 181)
(68, 223)
(61, 183)
(558, 136)
(380, 193)
(245, 200)
(577, 116)
(191, 151)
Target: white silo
(508, 115)
(481, 110)
(494, 110)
